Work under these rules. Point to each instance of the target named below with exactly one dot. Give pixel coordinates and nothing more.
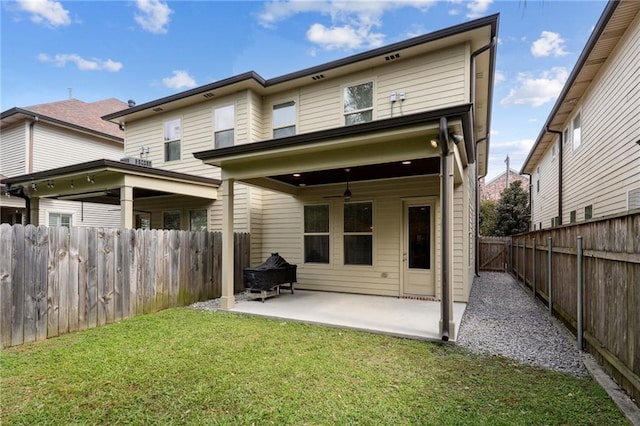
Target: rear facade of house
(287, 149)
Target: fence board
(30, 313)
(83, 277)
(6, 284)
(118, 275)
(40, 266)
(74, 292)
(92, 277)
(17, 294)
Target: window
(577, 140)
(171, 220)
(198, 220)
(358, 103)
(316, 233)
(537, 179)
(143, 221)
(284, 120)
(172, 132)
(565, 136)
(572, 216)
(224, 123)
(358, 233)
(555, 221)
(554, 150)
(61, 219)
(588, 212)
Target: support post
(126, 207)
(550, 277)
(34, 211)
(447, 325)
(227, 301)
(579, 330)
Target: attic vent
(318, 77)
(208, 95)
(479, 75)
(158, 109)
(392, 57)
(596, 61)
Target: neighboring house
(586, 161)
(492, 190)
(362, 171)
(56, 134)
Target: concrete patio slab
(415, 319)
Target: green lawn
(183, 366)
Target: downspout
(30, 147)
(560, 155)
(469, 143)
(477, 243)
(530, 201)
(444, 269)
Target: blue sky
(147, 49)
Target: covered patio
(407, 318)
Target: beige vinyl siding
(57, 147)
(13, 151)
(83, 214)
(607, 163)
(545, 201)
(241, 209)
(257, 128)
(283, 230)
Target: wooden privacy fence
(493, 253)
(59, 280)
(589, 276)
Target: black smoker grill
(266, 280)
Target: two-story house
(362, 171)
(585, 163)
(57, 134)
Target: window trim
(279, 103)
(171, 211)
(166, 142)
(372, 108)
(61, 212)
(371, 233)
(216, 131)
(206, 213)
(328, 234)
(573, 131)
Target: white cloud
(499, 77)
(537, 91)
(549, 44)
(180, 80)
(94, 64)
(46, 12)
(351, 23)
(154, 16)
(517, 150)
(478, 8)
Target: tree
(488, 217)
(512, 211)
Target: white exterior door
(418, 248)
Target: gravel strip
(214, 304)
(501, 318)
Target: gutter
(477, 201)
(560, 156)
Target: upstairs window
(316, 233)
(284, 120)
(358, 233)
(358, 103)
(588, 212)
(172, 135)
(577, 139)
(224, 123)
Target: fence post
(549, 277)
(524, 262)
(579, 330)
(533, 269)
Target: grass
(183, 366)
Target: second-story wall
(544, 190)
(13, 152)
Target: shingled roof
(83, 114)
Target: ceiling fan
(347, 192)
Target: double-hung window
(198, 220)
(284, 119)
(172, 134)
(577, 134)
(316, 233)
(61, 219)
(171, 220)
(358, 103)
(224, 123)
(358, 233)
